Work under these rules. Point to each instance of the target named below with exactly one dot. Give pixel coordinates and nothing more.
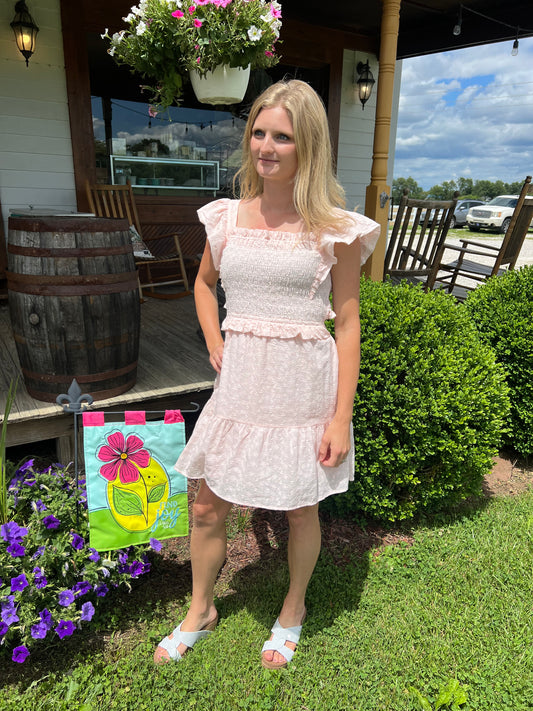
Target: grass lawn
(448, 600)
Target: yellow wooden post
(376, 206)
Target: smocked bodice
(276, 283)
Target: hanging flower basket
(224, 85)
(167, 39)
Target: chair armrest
(481, 244)
(465, 250)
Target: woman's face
(272, 145)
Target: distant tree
(486, 189)
(415, 191)
(444, 191)
(465, 186)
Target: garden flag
(133, 490)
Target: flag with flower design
(133, 491)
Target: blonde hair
(318, 194)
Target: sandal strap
(280, 636)
(189, 639)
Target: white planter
(224, 85)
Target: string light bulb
(514, 50)
(457, 27)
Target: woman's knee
(209, 509)
(303, 517)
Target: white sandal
(280, 635)
(171, 643)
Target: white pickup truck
(496, 214)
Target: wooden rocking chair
(163, 263)
(419, 230)
(477, 261)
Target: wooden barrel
(74, 304)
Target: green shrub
(429, 409)
(502, 310)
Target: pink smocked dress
(256, 441)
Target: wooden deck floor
(173, 370)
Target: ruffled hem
(265, 467)
(276, 329)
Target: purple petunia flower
(19, 583)
(20, 654)
(65, 628)
(94, 556)
(3, 628)
(51, 522)
(136, 569)
(39, 579)
(122, 558)
(81, 588)
(77, 541)
(10, 617)
(65, 598)
(38, 553)
(24, 467)
(11, 532)
(105, 572)
(15, 550)
(39, 630)
(101, 590)
(87, 611)
(38, 505)
(155, 545)
(46, 618)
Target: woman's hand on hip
(335, 445)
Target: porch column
(374, 207)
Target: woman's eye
(283, 137)
(258, 133)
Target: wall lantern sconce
(25, 30)
(365, 82)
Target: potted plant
(166, 40)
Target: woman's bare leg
(208, 551)
(303, 552)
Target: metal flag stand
(77, 402)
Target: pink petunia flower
(269, 54)
(192, 9)
(121, 457)
(178, 13)
(197, 23)
(152, 112)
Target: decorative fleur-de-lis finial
(75, 400)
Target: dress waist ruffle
(276, 329)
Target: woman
(277, 431)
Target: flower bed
(51, 581)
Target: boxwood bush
(429, 409)
(502, 310)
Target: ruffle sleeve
(214, 216)
(364, 229)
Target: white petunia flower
(254, 33)
(141, 28)
(130, 17)
(104, 36)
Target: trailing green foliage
(502, 310)
(430, 405)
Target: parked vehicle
(495, 215)
(460, 212)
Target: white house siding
(356, 131)
(36, 166)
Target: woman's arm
(205, 298)
(336, 443)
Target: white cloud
(467, 113)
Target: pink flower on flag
(121, 457)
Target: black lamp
(25, 30)
(365, 82)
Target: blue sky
(467, 113)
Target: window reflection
(183, 150)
